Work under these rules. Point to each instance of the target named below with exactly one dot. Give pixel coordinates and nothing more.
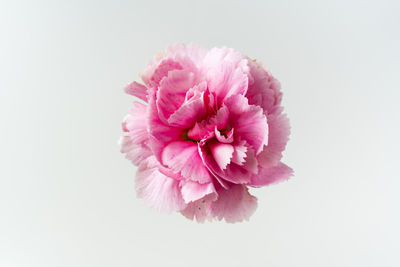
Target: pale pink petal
(234, 204)
(271, 175)
(239, 153)
(200, 209)
(183, 157)
(136, 144)
(221, 152)
(278, 135)
(249, 122)
(171, 92)
(192, 191)
(136, 153)
(264, 89)
(153, 75)
(227, 72)
(156, 189)
(137, 89)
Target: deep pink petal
(157, 189)
(271, 175)
(234, 204)
(183, 157)
(160, 133)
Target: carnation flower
(210, 125)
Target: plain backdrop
(67, 194)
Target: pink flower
(211, 126)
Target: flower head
(211, 126)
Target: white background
(66, 193)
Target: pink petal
(183, 157)
(239, 154)
(156, 189)
(224, 139)
(172, 91)
(249, 122)
(271, 175)
(264, 89)
(155, 73)
(136, 144)
(233, 172)
(234, 204)
(160, 133)
(200, 209)
(227, 72)
(189, 113)
(278, 135)
(192, 191)
(136, 153)
(137, 89)
(221, 152)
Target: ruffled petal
(249, 122)
(136, 144)
(271, 175)
(200, 209)
(221, 152)
(171, 92)
(160, 133)
(157, 189)
(227, 72)
(183, 157)
(264, 89)
(192, 191)
(137, 89)
(278, 136)
(234, 204)
(190, 112)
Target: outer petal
(234, 204)
(157, 189)
(264, 89)
(136, 153)
(272, 175)
(183, 157)
(249, 122)
(136, 144)
(279, 131)
(137, 89)
(200, 209)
